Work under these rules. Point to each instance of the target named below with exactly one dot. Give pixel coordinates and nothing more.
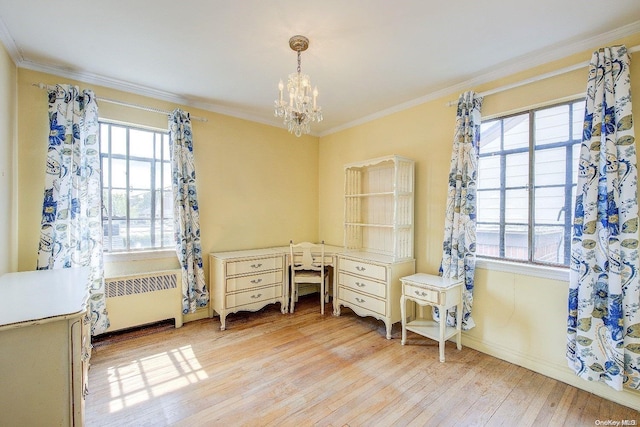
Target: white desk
(248, 280)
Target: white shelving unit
(378, 237)
(379, 207)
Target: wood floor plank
(270, 369)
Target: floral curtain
(604, 289)
(186, 214)
(71, 228)
(459, 246)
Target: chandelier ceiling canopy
(302, 107)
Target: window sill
(138, 255)
(554, 273)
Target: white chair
(306, 269)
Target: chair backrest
(302, 256)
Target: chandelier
(302, 108)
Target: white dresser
(45, 346)
(378, 237)
(247, 281)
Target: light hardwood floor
(269, 369)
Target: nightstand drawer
(364, 301)
(374, 271)
(421, 294)
(254, 281)
(363, 285)
(254, 265)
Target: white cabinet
(46, 346)
(378, 238)
(247, 281)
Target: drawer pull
(360, 285)
(255, 281)
(256, 265)
(422, 294)
(360, 300)
(359, 268)
(256, 296)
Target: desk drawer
(362, 300)
(422, 294)
(253, 296)
(363, 285)
(255, 265)
(254, 281)
(374, 271)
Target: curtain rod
(538, 78)
(127, 104)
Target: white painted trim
(554, 273)
(561, 373)
(138, 255)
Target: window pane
(488, 207)
(489, 172)
(119, 177)
(516, 242)
(140, 234)
(578, 120)
(549, 205)
(140, 143)
(552, 125)
(490, 136)
(104, 138)
(550, 165)
(104, 167)
(118, 140)
(118, 203)
(140, 174)
(488, 238)
(166, 176)
(516, 206)
(140, 204)
(549, 245)
(119, 237)
(168, 204)
(517, 173)
(516, 132)
(168, 239)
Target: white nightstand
(431, 290)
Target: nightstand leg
(403, 318)
(443, 325)
(459, 326)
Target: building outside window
(527, 178)
(137, 198)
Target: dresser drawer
(254, 281)
(362, 300)
(374, 271)
(253, 296)
(363, 285)
(422, 294)
(255, 265)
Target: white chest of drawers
(369, 285)
(247, 281)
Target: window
(136, 188)
(527, 177)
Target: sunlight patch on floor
(143, 379)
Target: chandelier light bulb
(300, 111)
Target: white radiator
(139, 299)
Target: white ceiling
(367, 57)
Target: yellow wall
(519, 318)
(8, 101)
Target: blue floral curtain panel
(459, 246)
(186, 213)
(604, 290)
(71, 228)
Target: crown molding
(10, 44)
